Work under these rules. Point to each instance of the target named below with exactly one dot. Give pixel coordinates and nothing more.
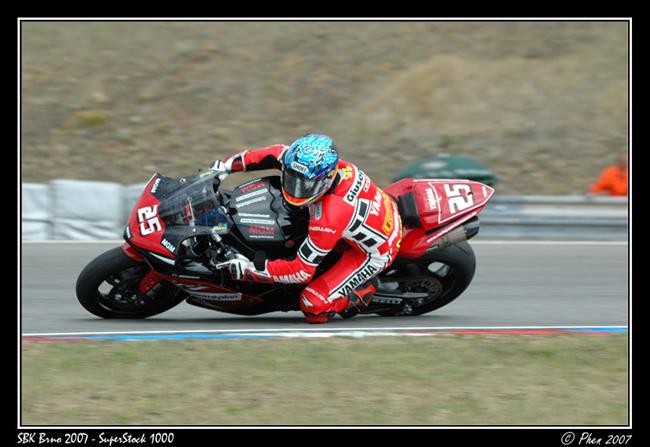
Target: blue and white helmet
(308, 168)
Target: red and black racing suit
(354, 210)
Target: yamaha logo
(431, 199)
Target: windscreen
(190, 207)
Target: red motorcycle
(180, 228)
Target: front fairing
(169, 211)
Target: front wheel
(108, 287)
(442, 274)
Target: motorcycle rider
(344, 205)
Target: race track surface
(516, 285)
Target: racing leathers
(354, 211)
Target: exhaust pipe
(459, 234)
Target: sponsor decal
(294, 278)
(198, 292)
(251, 194)
(431, 199)
(250, 202)
(251, 184)
(299, 167)
(217, 296)
(168, 245)
(261, 232)
(347, 172)
(254, 215)
(154, 188)
(178, 275)
(389, 223)
(323, 229)
(356, 188)
(257, 221)
(315, 293)
(366, 185)
(383, 300)
(358, 279)
(375, 205)
(257, 229)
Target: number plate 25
(148, 218)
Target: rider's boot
(360, 298)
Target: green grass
(542, 104)
(440, 380)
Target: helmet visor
(297, 185)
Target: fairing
(170, 211)
(443, 205)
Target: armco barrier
(72, 209)
(555, 217)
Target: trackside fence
(88, 210)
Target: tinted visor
(300, 187)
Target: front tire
(108, 287)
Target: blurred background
(543, 105)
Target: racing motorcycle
(181, 228)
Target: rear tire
(123, 274)
(461, 264)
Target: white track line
(347, 329)
(472, 242)
(522, 242)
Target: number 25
(458, 202)
(147, 215)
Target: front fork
(151, 278)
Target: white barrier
(36, 217)
(72, 209)
(86, 210)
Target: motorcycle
(179, 229)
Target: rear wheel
(443, 275)
(108, 287)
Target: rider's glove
(237, 267)
(221, 169)
(242, 268)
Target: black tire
(462, 265)
(115, 266)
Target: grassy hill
(543, 104)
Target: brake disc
(429, 285)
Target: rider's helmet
(308, 169)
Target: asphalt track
(517, 284)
